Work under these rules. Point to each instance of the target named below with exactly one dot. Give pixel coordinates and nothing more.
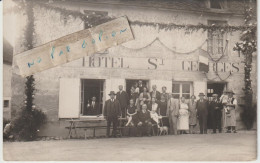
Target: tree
(247, 45)
(27, 122)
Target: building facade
(157, 56)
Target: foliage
(27, 122)
(248, 45)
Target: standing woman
(230, 112)
(162, 107)
(193, 114)
(183, 120)
(145, 96)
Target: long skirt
(230, 119)
(183, 122)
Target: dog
(163, 130)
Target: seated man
(144, 124)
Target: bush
(248, 116)
(27, 124)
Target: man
(144, 124)
(140, 86)
(92, 107)
(122, 97)
(166, 95)
(155, 94)
(202, 113)
(112, 112)
(230, 113)
(216, 114)
(172, 112)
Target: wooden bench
(73, 126)
(85, 128)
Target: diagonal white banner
(74, 46)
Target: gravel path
(218, 147)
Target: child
(155, 117)
(224, 100)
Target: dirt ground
(218, 147)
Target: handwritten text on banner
(74, 46)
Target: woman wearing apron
(230, 113)
(183, 119)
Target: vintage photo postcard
(129, 80)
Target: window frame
(181, 88)
(222, 7)
(4, 103)
(216, 40)
(82, 98)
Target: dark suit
(216, 115)
(202, 112)
(157, 95)
(92, 110)
(112, 111)
(146, 126)
(123, 100)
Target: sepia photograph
(129, 80)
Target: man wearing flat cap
(202, 113)
(112, 111)
(216, 114)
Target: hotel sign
(158, 64)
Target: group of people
(151, 110)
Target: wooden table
(73, 123)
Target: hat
(201, 94)
(230, 91)
(215, 95)
(112, 93)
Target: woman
(162, 107)
(183, 119)
(134, 95)
(131, 114)
(230, 112)
(145, 96)
(193, 114)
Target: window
(216, 40)
(180, 89)
(92, 88)
(6, 103)
(218, 4)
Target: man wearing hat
(202, 113)
(112, 112)
(216, 114)
(230, 114)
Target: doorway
(91, 88)
(215, 88)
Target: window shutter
(69, 98)
(200, 86)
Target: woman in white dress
(183, 119)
